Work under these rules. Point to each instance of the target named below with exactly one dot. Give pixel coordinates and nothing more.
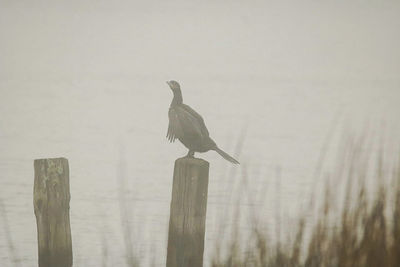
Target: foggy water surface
(113, 133)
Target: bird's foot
(190, 154)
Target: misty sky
(277, 39)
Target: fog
(277, 40)
(86, 81)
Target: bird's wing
(196, 119)
(174, 128)
(184, 121)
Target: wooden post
(188, 213)
(51, 203)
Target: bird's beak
(168, 83)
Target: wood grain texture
(188, 213)
(51, 198)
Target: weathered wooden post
(188, 213)
(51, 203)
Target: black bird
(188, 126)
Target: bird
(186, 125)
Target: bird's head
(174, 85)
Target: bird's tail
(226, 156)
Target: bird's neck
(177, 98)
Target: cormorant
(188, 126)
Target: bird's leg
(190, 154)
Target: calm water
(113, 133)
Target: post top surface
(192, 161)
(61, 158)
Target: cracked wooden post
(188, 213)
(51, 203)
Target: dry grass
(363, 231)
